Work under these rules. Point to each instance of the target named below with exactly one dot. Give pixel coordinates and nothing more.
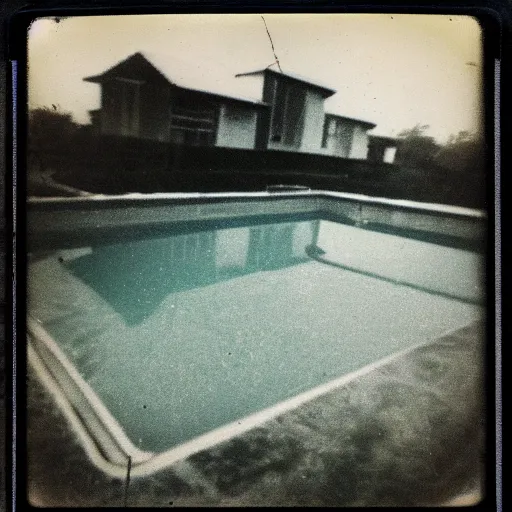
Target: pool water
(181, 334)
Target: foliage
(464, 153)
(49, 127)
(416, 149)
(452, 173)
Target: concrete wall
(359, 148)
(237, 127)
(313, 123)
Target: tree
(52, 134)
(463, 154)
(451, 173)
(416, 149)
(49, 128)
(463, 162)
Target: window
(288, 113)
(194, 124)
(280, 98)
(329, 128)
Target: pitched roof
(352, 119)
(182, 74)
(327, 91)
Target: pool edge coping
(437, 208)
(150, 462)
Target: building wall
(265, 117)
(313, 123)
(155, 112)
(251, 86)
(151, 110)
(376, 151)
(339, 142)
(288, 100)
(109, 123)
(359, 148)
(311, 129)
(237, 127)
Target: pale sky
(393, 70)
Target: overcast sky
(394, 70)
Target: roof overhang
(232, 99)
(110, 74)
(325, 90)
(369, 125)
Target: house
(139, 100)
(145, 96)
(382, 149)
(345, 136)
(295, 119)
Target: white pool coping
(137, 197)
(104, 440)
(70, 219)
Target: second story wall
(337, 136)
(288, 114)
(359, 148)
(313, 123)
(236, 127)
(135, 109)
(252, 86)
(155, 112)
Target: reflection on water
(183, 334)
(135, 277)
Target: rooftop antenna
(272, 44)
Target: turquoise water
(182, 334)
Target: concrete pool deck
(409, 433)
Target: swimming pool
(172, 324)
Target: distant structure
(346, 137)
(382, 149)
(141, 99)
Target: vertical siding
(237, 127)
